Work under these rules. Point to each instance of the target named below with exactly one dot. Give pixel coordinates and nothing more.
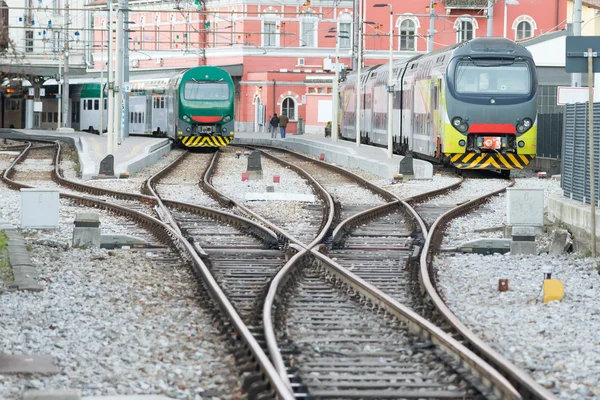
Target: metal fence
(549, 140)
(575, 170)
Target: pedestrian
(283, 121)
(274, 123)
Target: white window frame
(416, 24)
(345, 19)
(268, 43)
(457, 27)
(315, 26)
(295, 107)
(524, 18)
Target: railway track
(260, 380)
(308, 298)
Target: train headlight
(227, 119)
(524, 125)
(521, 143)
(460, 124)
(186, 118)
(461, 142)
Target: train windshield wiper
(492, 63)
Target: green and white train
(194, 107)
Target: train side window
(162, 102)
(89, 104)
(131, 118)
(56, 116)
(84, 105)
(135, 118)
(18, 105)
(43, 117)
(49, 116)
(105, 104)
(143, 117)
(96, 104)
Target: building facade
(281, 56)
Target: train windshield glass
(206, 90)
(493, 78)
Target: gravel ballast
(557, 341)
(117, 322)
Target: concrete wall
(576, 216)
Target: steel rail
(491, 378)
(166, 234)
(522, 381)
(321, 192)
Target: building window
(345, 29)
(465, 31)
(270, 34)
(56, 44)
(309, 29)
(29, 41)
(407, 35)
(524, 30)
(288, 106)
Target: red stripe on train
(206, 119)
(506, 129)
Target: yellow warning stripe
(456, 157)
(515, 161)
(524, 158)
(477, 161)
(504, 162)
(468, 157)
(205, 141)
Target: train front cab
(205, 108)
(490, 121)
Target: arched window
(345, 31)
(407, 35)
(524, 30)
(288, 106)
(465, 29)
(524, 27)
(3, 26)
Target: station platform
(343, 153)
(137, 152)
(134, 154)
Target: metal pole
(490, 21)
(101, 127)
(390, 89)
(334, 102)
(119, 106)
(591, 145)
(505, 10)
(59, 92)
(431, 27)
(66, 116)
(577, 6)
(359, 84)
(111, 99)
(356, 33)
(126, 64)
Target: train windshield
(494, 77)
(206, 90)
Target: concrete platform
(577, 217)
(134, 154)
(341, 152)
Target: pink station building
(281, 55)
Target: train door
(434, 123)
(159, 114)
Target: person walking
(283, 121)
(274, 123)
